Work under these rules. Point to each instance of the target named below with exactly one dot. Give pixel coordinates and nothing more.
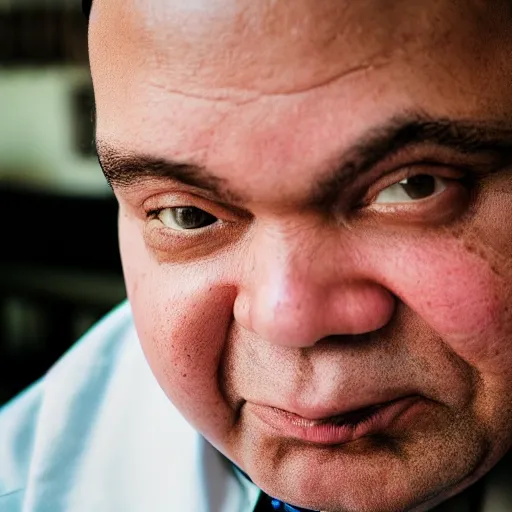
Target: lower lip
(330, 433)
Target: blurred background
(59, 262)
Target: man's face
(315, 217)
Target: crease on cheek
(491, 242)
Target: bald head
(274, 46)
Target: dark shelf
(43, 35)
(59, 231)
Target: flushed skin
(309, 292)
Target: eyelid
(394, 177)
(163, 201)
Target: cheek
(182, 316)
(456, 291)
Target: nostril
(348, 340)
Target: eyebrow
(124, 169)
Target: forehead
(276, 46)
(246, 83)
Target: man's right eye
(185, 218)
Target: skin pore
(352, 161)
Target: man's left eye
(185, 218)
(412, 189)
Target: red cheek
(182, 322)
(456, 292)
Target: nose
(296, 294)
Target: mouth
(339, 428)
(349, 419)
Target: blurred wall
(59, 262)
(40, 130)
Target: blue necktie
(280, 506)
(267, 503)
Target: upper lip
(321, 412)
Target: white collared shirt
(97, 433)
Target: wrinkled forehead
(278, 46)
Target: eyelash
(155, 212)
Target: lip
(337, 428)
(338, 405)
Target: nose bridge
(292, 258)
(296, 264)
